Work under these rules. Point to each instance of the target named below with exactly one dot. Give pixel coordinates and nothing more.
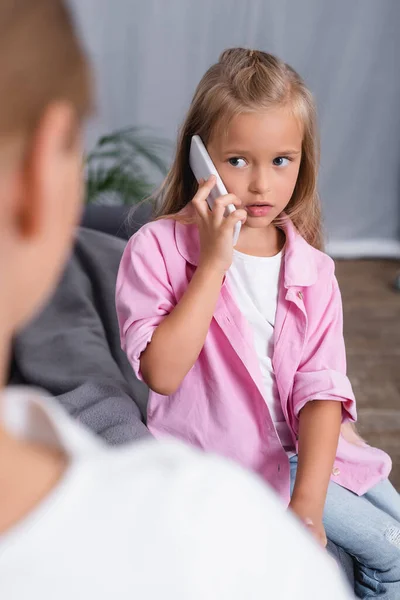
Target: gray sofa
(72, 349)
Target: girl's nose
(260, 183)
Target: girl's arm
(179, 338)
(321, 398)
(319, 428)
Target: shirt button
(300, 295)
(335, 471)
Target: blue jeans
(368, 528)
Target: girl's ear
(45, 171)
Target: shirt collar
(30, 415)
(300, 264)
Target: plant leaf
(115, 165)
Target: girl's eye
(281, 161)
(239, 163)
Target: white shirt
(254, 281)
(153, 520)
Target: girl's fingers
(200, 199)
(235, 217)
(216, 217)
(220, 205)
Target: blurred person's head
(253, 101)
(45, 93)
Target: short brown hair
(41, 61)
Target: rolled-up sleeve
(144, 295)
(322, 372)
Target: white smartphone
(202, 167)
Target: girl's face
(258, 159)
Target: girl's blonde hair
(248, 81)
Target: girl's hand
(311, 519)
(216, 231)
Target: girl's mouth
(258, 210)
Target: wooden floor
(372, 334)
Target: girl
(243, 348)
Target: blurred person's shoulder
(155, 519)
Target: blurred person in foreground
(78, 519)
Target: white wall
(150, 55)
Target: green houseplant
(117, 169)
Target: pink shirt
(220, 405)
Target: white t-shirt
(254, 281)
(153, 520)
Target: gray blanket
(72, 349)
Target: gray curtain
(150, 55)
